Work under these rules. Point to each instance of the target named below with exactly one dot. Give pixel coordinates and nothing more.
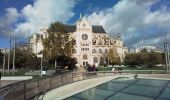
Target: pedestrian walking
(113, 71)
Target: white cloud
(7, 20)
(160, 18)
(134, 20)
(12, 15)
(43, 12)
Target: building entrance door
(85, 63)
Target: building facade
(147, 48)
(91, 43)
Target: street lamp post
(166, 50)
(108, 57)
(13, 68)
(41, 65)
(9, 53)
(168, 57)
(108, 54)
(165, 55)
(4, 60)
(41, 56)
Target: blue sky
(139, 21)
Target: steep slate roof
(95, 28)
(70, 28)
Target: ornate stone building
(91, 43)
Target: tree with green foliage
(132, 59)
(155, 58)
(144, 58)
(58, 45)
(1, 58)
(66, 62)
(113, 57)
(26, 60)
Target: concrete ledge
(154, 76)
(16, 78)
(74, 88)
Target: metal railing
(31, 89)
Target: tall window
(95, 60)
(100, 42)
(41, 36)
(106, 51)
(94, 41)
(94, 51)
(73, 51)
(101, 60)
(100, 51)
(75, 59)
(74, 42)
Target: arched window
(73, 51)
(100, 42)
(94, 41)
(95, 60)
(84, 57)
(94, 51)
(101, 60)
(75, 59)
(100, 51)
(74, 42)
(106, 51)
